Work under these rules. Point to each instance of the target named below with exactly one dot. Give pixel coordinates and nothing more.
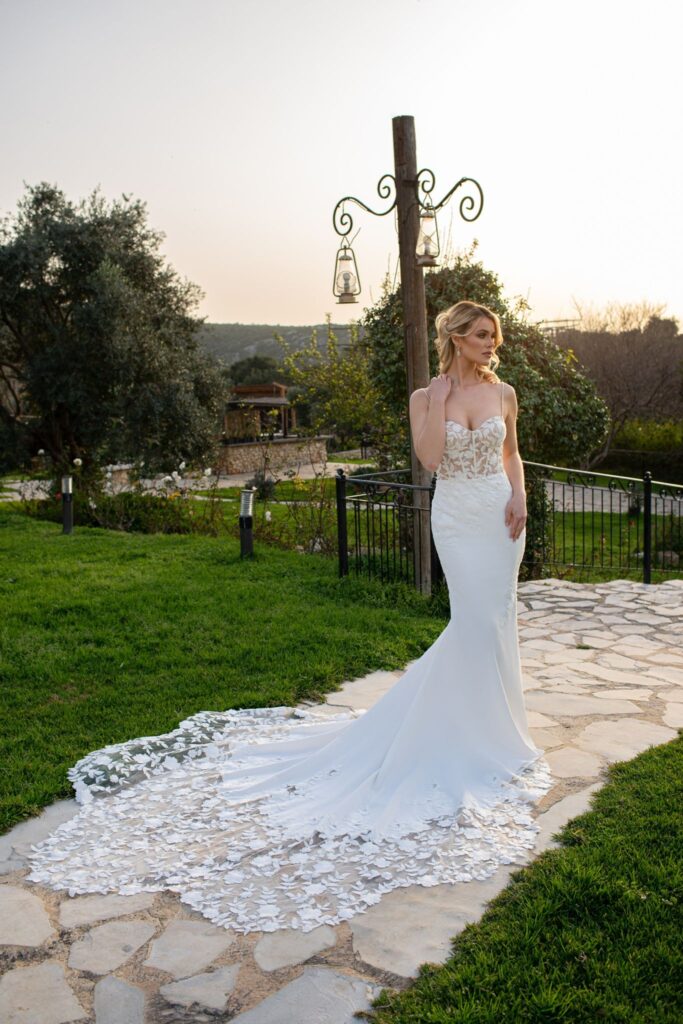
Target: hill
(230, 342)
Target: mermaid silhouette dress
(271, 818)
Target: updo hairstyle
(459, 320)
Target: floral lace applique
(470, 453)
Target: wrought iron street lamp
(409, 192)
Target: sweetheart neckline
(473, 430)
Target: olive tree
(99, 358)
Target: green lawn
(106, 636)
(591, 931)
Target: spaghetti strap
(502, 385)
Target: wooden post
(414, 323)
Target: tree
(256, 370)
(561, 418)
(634, 356)
(337, 390)
(98, 354)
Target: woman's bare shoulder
(420, 397)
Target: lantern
(346, 281)
(427, 248)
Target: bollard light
(67, 504)
(247, 522)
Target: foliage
(144, 508)
(636, 367)
(263, 484)
(98, 351)
(338, 387)
(650, 435)
(561, 418)
(256, 370)
(538, 526)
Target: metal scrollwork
(343, 221)
(470, 206)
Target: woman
(270, 818)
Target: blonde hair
(459, 320)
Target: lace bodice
(471, 453)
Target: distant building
(551, 328)
(249, 411)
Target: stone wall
(282, 453)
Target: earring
(457, 351)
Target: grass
(588, 932)
(106, 636)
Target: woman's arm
(427, 418)
(515, 509)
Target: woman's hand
(439, 388)
(515, 515)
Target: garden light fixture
(346, 280)
(247, 522)
(67, 504)
(427, 248)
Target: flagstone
(667, 658)
(669, 673)
(626, 693)
(569, 762)
(186, 947)
(574, 704)
(318, 996)
(16, 843)
(609, 675)
(671, 695)
(38, 995)
(597, 643)
(570, 654)
(210, 989)
(109, 945)
(81, 910)
(565, 638)
(632, 631)
(560, 813)
(621, 740)
(645, 617)
(117, 1002)
(613, 660)
(536, 644)
(546, 738)
(23, 918)
(673, 715)
(536, 719)
(288, 947)
(415, 924)
(362, 693)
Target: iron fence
(577, 519)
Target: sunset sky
(241, 125)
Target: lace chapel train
(270, 818)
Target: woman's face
(478, 345)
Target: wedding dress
(273, 818)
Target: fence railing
(577, 519)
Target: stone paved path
(603, 668)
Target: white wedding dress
(273, 818)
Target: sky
(241, 125)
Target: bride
(271, 818)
